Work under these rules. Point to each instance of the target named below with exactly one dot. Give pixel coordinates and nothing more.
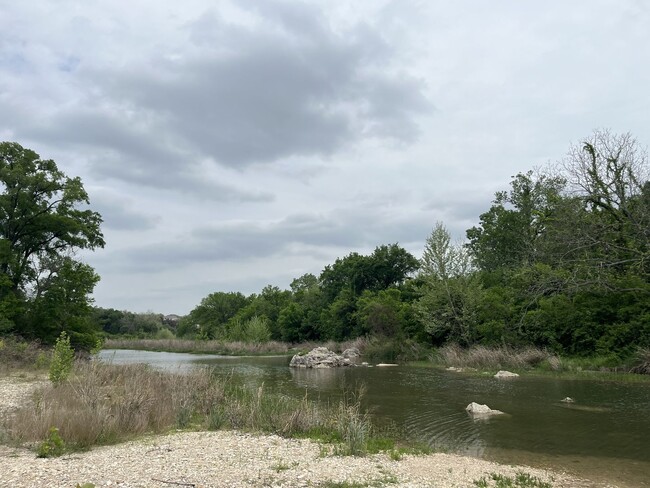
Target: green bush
(62, 360)
(53, 446)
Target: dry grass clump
(197, 346)
(16, 353)
(496, 357)
(103, 403)
(235, 348)
(642, 361)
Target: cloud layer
(230, 145)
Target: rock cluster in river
(481, 410)
(505, 374)
(321, 357)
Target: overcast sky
(233, 144)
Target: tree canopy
(44, 219)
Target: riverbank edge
(288, 462)
(572, 369)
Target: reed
(104, 403)
(496, 357)
(233, 348)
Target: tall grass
(496, 357)
(236, 348)
(104, 404)
(641, 361)
(17, 354)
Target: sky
(230, 145)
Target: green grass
(478, 360)
(520, 480)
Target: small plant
(282, 466)
(62, 360)
(85, 485)
(53, 446)
(521, 480)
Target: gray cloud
(118, 215)
(291, 87)
(343, 231)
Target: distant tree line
(561, 259)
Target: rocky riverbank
(235, 459)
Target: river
(603, 436)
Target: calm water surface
(604, 435)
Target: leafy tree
(43, 220)
(268, 305)
(606, 232)
(510, 233)
(451, 293)
(382, 313)
(212, 314)
(62, 303)
(385, 267)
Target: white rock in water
(384, 365)
(505, 374)
(319, 358)
(567, 400)
(478, 409)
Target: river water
(604, 435)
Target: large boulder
(319, 357)
(479, 410)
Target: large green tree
(44, 219)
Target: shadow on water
(603, 434)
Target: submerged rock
(505, 374)
(479, 410)
(319, 357)
(567, 400)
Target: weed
(282, 466)
(52, 446)
(521, 480)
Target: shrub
(62, 360)
(53, 446)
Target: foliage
(254, 330)
(43, 220)
(62, 360)
(450, 293)
(520, 480)
(209, 318)
(558, 262)
(52, 446)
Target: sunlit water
(604, 435)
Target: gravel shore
(235, 459)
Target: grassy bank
(235, 348)
(538, 361)
(19, 355)
(373, 349)
(105, 404)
